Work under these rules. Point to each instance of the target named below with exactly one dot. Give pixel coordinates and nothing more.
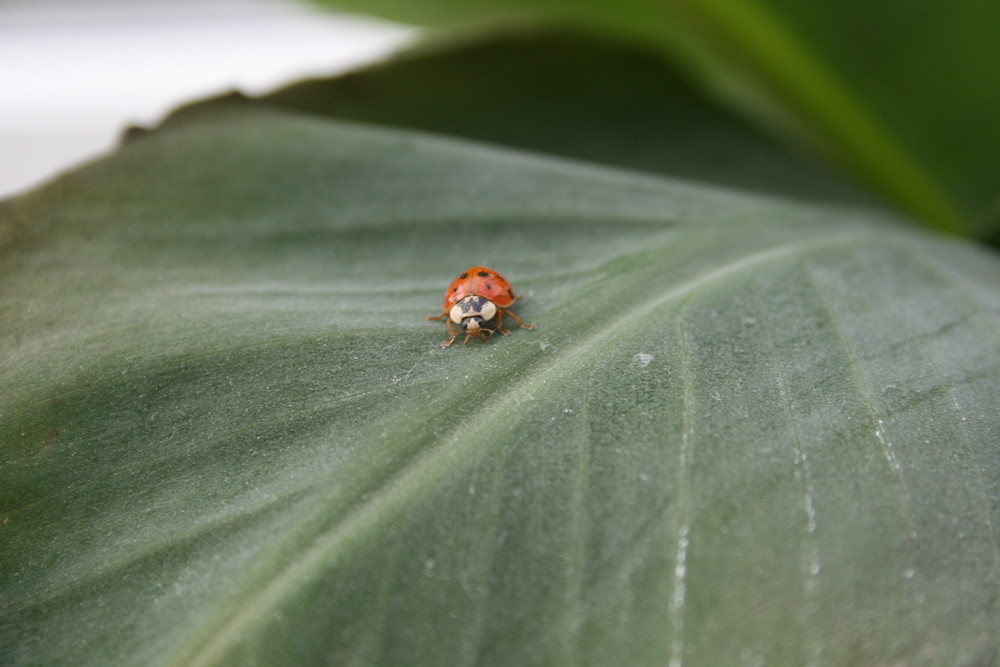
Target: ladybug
(478, 300)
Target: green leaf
(574, 96)
(743, 429)
(902, 95)
(927, 69)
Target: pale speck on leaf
(642, 359)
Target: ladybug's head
(473, 324)
(472, 313)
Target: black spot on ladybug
(489, 287)
(463, 277)
(455, 290)
(483, 274)
(510, 293)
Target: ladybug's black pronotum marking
(472, 305)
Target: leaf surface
(743, 429)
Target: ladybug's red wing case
(479, 281)
(493, 286)
(459, 288)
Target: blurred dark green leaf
(928, 70)
(743, 431)
(904, 95)
(573, 96)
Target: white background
(74, 73)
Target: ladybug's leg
(437, 317)
(500, 313)
(518, 320)
(452, 333)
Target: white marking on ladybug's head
(472, 307)
(488, 311)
